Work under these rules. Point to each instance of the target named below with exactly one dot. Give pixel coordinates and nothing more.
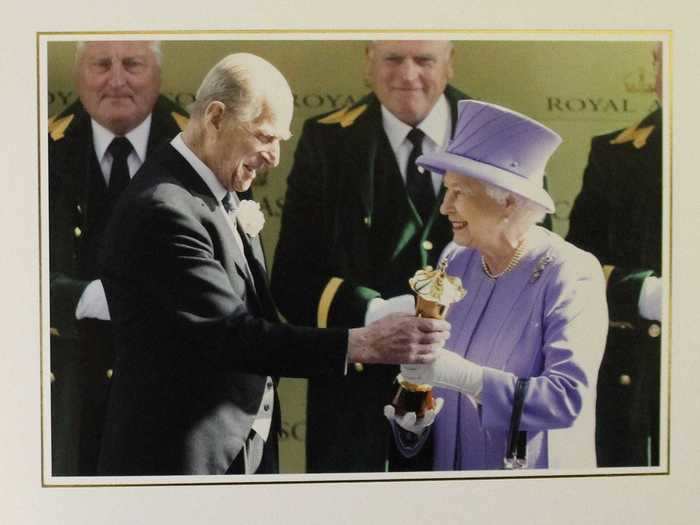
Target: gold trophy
(435, 292)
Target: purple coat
(546, 319)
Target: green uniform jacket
(617, 217)
(81, 352)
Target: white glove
(449, 370)
(651, 298)
(93, 302)
(379, 308)
(410, 422)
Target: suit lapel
(256, 263)
(233, 259)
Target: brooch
(541, 264)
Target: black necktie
(119, 175)
(226, 202)
(418, 182)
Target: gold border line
(668, 92)
(667, 32)
(42, 439)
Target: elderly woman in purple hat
(535, 308)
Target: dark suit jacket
(81, 352)
(194, 337)
(617, 217)
(338, 249)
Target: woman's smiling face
(476, 218)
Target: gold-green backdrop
(578, 88)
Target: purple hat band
(498, 146)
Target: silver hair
(526, 212)
(244, 83)
(153, 44)
(450, 44)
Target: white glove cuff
(93, 302)
(379, 308)
(651, 298)
(457, 373)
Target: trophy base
(413, 398)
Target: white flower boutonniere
(250, 217)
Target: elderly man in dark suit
(359, 219)
(95, 146)
(199, 344)
(617, 217)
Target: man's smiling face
(409, 76)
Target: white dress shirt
(102, 138)
(263, 418)
(436, 126)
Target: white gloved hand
(449, 370)
(651, 298)
(93, 302)
(379, 308)
(410, 422)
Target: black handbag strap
(517, 439)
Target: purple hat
(500, 147)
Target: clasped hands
(393, 335)
(447, 370)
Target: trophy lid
(436, 285)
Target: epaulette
(57, 127)
(180, 120)
(345, 116)
(638, 136)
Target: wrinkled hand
(397, 339)
(410, 422)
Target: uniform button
(427, 245)
(625, 380)
(359, 367)
(77, 232)
(266, 407)
(654, 330)
(53, 377)
(109, 373)
(366, 221)
(269, 385)
(77, 207)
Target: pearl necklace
(512, 264)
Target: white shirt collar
(202, 169)
(435, 125)
(102, 138)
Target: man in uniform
(95, 146)
(617, 217)
(359, 219)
